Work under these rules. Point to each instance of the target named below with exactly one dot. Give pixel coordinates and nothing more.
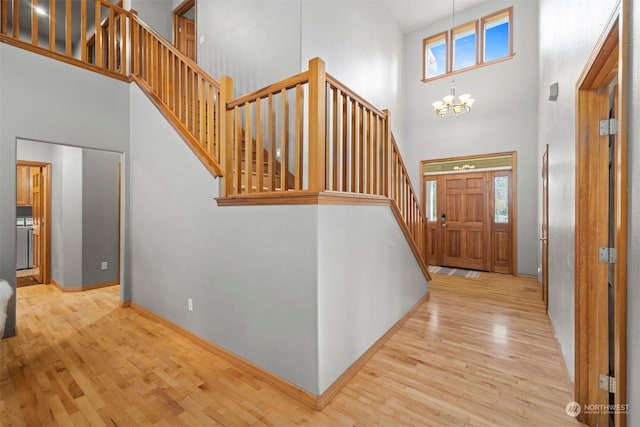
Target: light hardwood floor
(479, 352)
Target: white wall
(157, 14)
(368, 279)
(99, 216)
(269, 283)
(568, 34)
(262, 42)
(250, 270)
(72, 216)
(46, 100)
(504, 117)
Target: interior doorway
(601, 227)
(471, 211)
(33, 228)
(184, 29)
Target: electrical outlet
(190, 304)
(104, 265)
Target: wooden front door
(544, 235)
(465, 221)
(37, 242)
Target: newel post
(386, 155)
(317, 124)
(225, 137)
(135, 43)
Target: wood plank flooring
(480, 352)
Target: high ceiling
(414, 14)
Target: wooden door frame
(544, 238)
(608, 58)
(514, 172)
(46, 213)
(179, 11)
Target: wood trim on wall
(83, 287)
(309, 399)
(609, 56)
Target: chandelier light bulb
(450, 107)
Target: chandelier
(452, 107)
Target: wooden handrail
(345, 89)
(286, 84)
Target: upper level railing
(104, 37)
(185, 93)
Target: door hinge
(609, 127)
(608, 383)
(608, 255)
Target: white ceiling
(414, 14)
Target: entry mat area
(459, 272)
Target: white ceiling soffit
(415, 14)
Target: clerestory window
(477, 43)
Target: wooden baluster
(98, 46)
(333, 164)
(259, 147)
(225, 134)
(52, 25)
(361, 149)
(375, 147)
(237, 138)
(248, 147)
(166, 77)
(4, 18)
(354, 139)
(369, 145)
(344, 144)
(15, 23)
(284, 142)
(187, 94)
(212, 124)
(202, 106)
(123, 45)
(271, 116)
(112, 40)
(298, 153)
(194, 100)
(317, 125)
(83, 30)
(386, 155)
(34, 22)
(69, 28)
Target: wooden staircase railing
(306, 135)
(329, 138)
(103, 37)
(184, 93)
